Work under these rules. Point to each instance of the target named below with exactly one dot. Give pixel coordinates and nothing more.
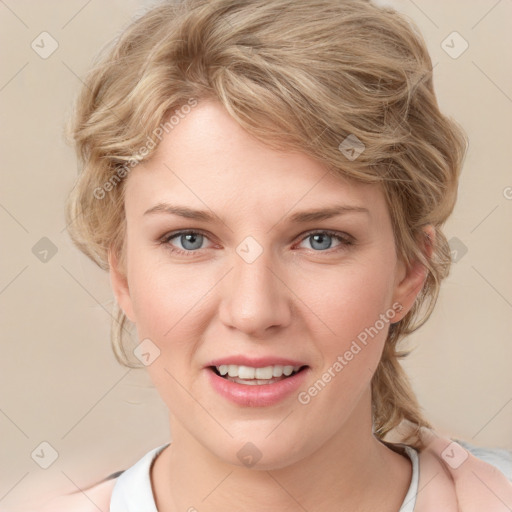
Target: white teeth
(248, 372)
(277, 371)
(264, 373)
(288, 370)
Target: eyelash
(345, 239)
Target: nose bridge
(254, 298)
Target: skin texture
(297, 299)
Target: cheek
(167, 299)
(348, 300)
(354, 308)
(169, 309)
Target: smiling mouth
(256, 376)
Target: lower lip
(260, 395)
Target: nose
(255, 299)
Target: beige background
(59, 380)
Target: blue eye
(190, 241)
(322, 240)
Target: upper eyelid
(174, 234)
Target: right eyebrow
(182, 211)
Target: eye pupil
(321, 237)
(191, 238)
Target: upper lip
(255, 362)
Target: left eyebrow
(326, 213)
(296, 218)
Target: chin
(262, 454)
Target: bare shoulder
(93, 499)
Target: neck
(337, 476)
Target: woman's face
(262, 282)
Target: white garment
(410, 498)
(133, 493)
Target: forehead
(208, 161)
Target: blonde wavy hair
(298, 76)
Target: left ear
(119, 283)
(410, 279)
